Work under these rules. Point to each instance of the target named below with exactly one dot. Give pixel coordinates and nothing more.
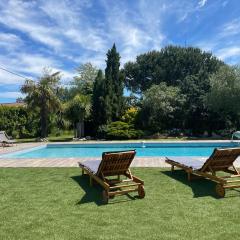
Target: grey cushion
(91, 165)
(195, 163)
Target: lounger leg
(189, 176)
(172, 168)
(82, 171)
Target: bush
(18, 122)
(119, 131)
(130, 115)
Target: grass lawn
(65, 137)
(57, 203)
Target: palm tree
(77, 110)
(41, 96)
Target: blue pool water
(143, 150)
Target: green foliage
(119, 130)
(18, 122)
(130, 115)
(161, 107)
(171, 65)
(175, 89)
(187, 68)
(83, 82)
(224, 97)
(98, 110)
(225, 90)
(113, 86)
(42, 97)
(107, 99)
(78, 108)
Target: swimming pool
(143, 149)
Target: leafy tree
(42, 97)
(77, 110)
(171, 65)
(187, 68)
(162, 107)
(83, 82)
(224, 97)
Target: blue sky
(62, 34)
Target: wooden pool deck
(70, 162)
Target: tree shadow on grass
(94, 193)
(201, 187)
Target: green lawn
(57, 203)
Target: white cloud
(231, 28)
(10, 41)
(22, 16)
(30, 66)
(8, 78)
(202, 3)
(228, 52)
(73, 24)
(135, 30)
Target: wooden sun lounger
(220, 160)
(5, 140)
(113, 174)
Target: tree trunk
(43, 121)
(79, 130)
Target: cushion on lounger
(91, 165)
(194, 163)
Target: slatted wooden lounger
(220, 160)
(113, 164)
(5, 140)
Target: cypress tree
(107, 99)
(114, 86)
(98, 112)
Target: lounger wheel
(141, 191)
(220, 190)
(105, 196)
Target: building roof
(15, 104)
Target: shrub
(18, 122)
(119, 130)
(130, 115)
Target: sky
(62, 34)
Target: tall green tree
(41, 97)
(113, 86)
(77, 110)
(107, 98)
